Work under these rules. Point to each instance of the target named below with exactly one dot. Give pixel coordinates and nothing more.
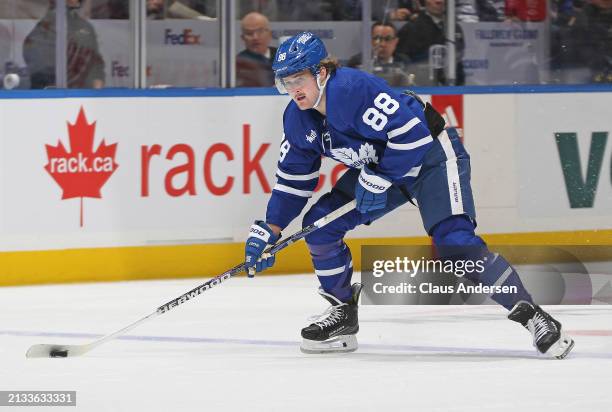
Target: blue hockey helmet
(300, 52)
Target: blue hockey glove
(371, 190)
(260, 236)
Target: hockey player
(397, 149)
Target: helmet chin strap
(321, 89)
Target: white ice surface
(236, 347)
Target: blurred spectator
(491, 10)
(502, 10)
(526, 10)
(383, 10)
(311, 10)
(327, 10)
(563, 18)
(427, 29)
(387, 63)
(192, 9)
(466, 11)
(266, 7)
(403, 10)
(254, 64)
(592, 35)
(22, 9)
(108, 9)
(85, 66)
(295, 10)
(155, 9)
(563, 12)
(181, 9)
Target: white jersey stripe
(287, 189)
(330, 272)
(404, 129)
(410, 146)
(287, 176)
(504, 276)
(452, 174)
(259, 233)
(414, 172)
(373, 183)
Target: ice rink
(236, 347)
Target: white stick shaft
(335, 214)
(122, 331)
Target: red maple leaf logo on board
(81, 172)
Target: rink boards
(166, 183)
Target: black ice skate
(335, 329)
(546, 331)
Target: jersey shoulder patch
(300, 128)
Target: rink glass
(194, 43)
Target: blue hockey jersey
(367, 122)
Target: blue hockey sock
(334, 267)
(498, 272)
(455, 239)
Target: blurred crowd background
(231, 43)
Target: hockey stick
(63, 351)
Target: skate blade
(561, 348)
(338, 344)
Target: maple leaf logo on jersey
(304, 38)
(81, 172)
(312, 136)
(348, 156)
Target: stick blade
(55, 351)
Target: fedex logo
(119, 70)
(185, 38)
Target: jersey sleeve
(297, 176)
(375, 111)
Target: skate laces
(331, 315)
(539, 326)
(315, 318)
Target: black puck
(59, 354)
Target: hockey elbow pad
(435, 122)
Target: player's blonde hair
(330, 63)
